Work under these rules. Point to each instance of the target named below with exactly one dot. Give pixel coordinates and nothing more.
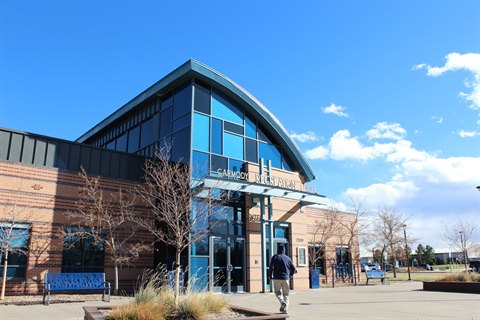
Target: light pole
(406, 250)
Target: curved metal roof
(198, 70)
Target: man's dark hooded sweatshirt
(281, 266)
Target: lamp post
(406, 250)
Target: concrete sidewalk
(398, 300)
(404, 300)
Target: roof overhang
(305, 198)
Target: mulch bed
(54, 298)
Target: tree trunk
(115, 291)
(4, 279)
(177, 277)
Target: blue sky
(383, 97)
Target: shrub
(475, 277)
(142, 311)
(215, 303)
(124, 312)
(167, 299)
(149, 286)
(191, 306)
(155, 300)
(461, 277)
(449, 278)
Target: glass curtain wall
(223, 133)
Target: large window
(17, 240)
(182, 101)
(227, 220)
(270, 152)
(133, 139)
(81, 253)
(342, 255)
(201, 133)
(200, 164)
(224, 109)
(149, 132)
(233, 146)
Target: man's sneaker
(285, 310)
(283, 306)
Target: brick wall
(42, 197)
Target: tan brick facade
(43, 196)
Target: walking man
(281, 267)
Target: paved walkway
(404, 300)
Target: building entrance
(227, 257)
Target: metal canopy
(305, 198)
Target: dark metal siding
(44, 151)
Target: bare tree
(388, 227)
(15, 227)
(9, 236)
(461, 236)
(182, 208)
(352, 228)
(106, 218)
(321, 232)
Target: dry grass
(139, 311)
(215, 303)
(191, 307)
(154, 300)
(462, 277)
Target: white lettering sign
(265, 179)
(238, 175)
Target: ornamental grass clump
(150, 286)
(139, 311)
(154, 299)
(460, 277)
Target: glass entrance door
(226, 264)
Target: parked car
(388, 267)
(426, 267)
(475, 266)
(372, 266)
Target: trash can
(314, 279)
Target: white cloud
(308, 136)
(384, 194)
(343, 146)
(438, 119)
(319, 152)
(334, 109)
(429, 193)
(443, 170)
(467, 134)
(384, 130)
(425, 187)
(455, 61)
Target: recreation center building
(207, 119)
